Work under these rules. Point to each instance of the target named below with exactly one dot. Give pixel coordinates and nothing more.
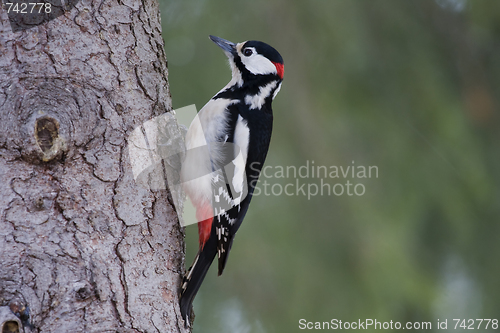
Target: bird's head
(252, 61)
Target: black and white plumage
(227, 144)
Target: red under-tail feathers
(204, 214)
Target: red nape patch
(204, 215)
(280, 68)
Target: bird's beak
(228, 47)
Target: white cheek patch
(258, 64)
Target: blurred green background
(411, 87)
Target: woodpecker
(226, 145)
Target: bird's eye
(247, 52)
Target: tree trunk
(83, 247)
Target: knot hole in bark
(47, 131)
(9, 321)
(83, 293)
(10, 327)
(47, 136)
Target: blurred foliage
(411, 87)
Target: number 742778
(476, 323)
(24, 8)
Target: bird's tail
(194, 277)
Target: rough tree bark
(82, 246)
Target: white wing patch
(256, 101)
(241, 141)
(196, 173)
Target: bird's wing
(230, 188)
